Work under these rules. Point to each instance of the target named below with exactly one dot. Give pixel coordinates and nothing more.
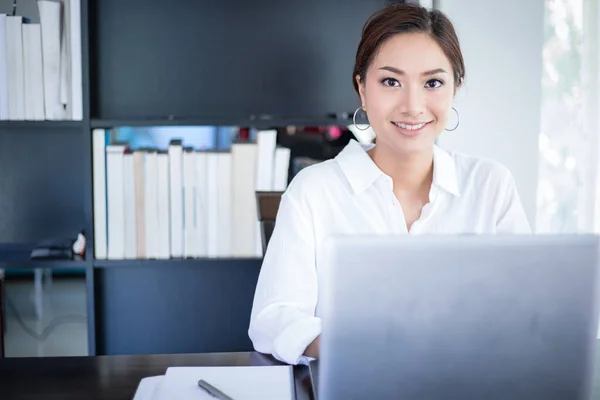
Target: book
(99, 183)
(4, 113)
(238, 382)
(16, 68)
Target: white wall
(499, 104)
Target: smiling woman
(388, 58)
(408, 69)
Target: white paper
(239, 383)
(148, 387)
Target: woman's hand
(313, 349)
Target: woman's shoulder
(480, 170)
(316, 183)
(314, 178)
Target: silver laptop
(458, 317)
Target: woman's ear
(361, 91)
(458, 85)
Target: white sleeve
(512, 218)
(283, 321)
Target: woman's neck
(410, 173)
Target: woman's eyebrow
(426, 73)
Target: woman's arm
(283, 321)
(512, 219)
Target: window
(570, 135)
(196, 137)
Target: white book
(212, 231)
(4, 113)
(139, 166)
(151, 203)
(164, 212)
(244, 212)
(27, 36)
(129, 193)
(76, 96)
(33, 77)
(99, 188)
(281, 170)
(224, 201)
(237, 382)
(116, 201)
(50, 16)
(258, 250)
(266, 141)
(189, 190)
(16, 67)
(265, 164)
(201, 204)
(65, 58)
(176, 197)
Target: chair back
(268, 205)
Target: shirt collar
(445, 174)
(361, 172)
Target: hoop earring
(457, 121)
(354, 120)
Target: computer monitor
(458, 317)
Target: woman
(407, 71)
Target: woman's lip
(412, 122)
(411, 132)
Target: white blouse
(350, 194)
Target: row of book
(182, 203)
(41, 65)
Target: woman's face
(408, 92)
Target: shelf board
(17, 256)
(220, 121)
(201, 262)
(41, 125)
(44, 264)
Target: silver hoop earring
(457, 121)
(354, 120)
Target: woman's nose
(413, 101)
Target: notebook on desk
(148, 387)
(239, 383)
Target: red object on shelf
(244, 134)
(335, 132)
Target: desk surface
(113, 377)
(117, 377)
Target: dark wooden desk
(112, 377)
(2, 327)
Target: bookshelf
(255, 122)
(62, 265)
(204, 262)
(41, 126)
(134, 75)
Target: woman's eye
(390, 82)
(433, 84)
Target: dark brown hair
(407, 18)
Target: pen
(213, 391)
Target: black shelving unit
(64, 265)
(256, 122)
(179, 262)
(40, 126)
(168, 63)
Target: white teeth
(409, 127)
